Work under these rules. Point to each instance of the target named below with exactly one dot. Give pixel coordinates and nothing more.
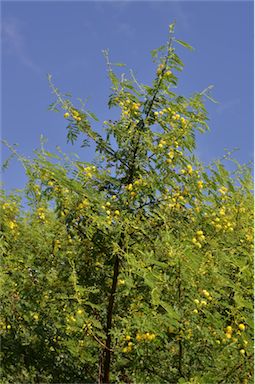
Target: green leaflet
(186, 45)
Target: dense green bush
(136, 267)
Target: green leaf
(171, 27)
(119, 64)
(114, 80)
(186, 45)
(170, 310)
(92, 115)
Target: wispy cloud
(14, 44)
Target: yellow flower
(223, 190)
(196, 301)
(159, 69)
(139, 337)
(242, 351)
(108, 204)
(57, 244)
(203, 303)
(171, 154)
(229, 329)
(195, 311)
(228, 335)
(12, 225)
(128, 337)
(137, 105)
(121, 282)
(200, 233)
(200, 184)
(205, 293)
(36, 316)
(117, 213)
(41, 213)
(80, 311)
(66, 115)
(241, 327)
(129, 187)
(151, 336)
(189, 169)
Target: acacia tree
(140, 257)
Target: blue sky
(66, 39)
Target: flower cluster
(74, 113)
(41, 214)
(233, 334)
(128, 348)
(84, 204)
(129, 108)
(198, 239)
(133, 188)
(176, 200)
(88, 171)
(110, 211)
(221, 222)
(140, 337)
(202, 303)
(12, 225)
(145, 336)
(223, 190)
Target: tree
(140, 257)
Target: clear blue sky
(66, 39)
